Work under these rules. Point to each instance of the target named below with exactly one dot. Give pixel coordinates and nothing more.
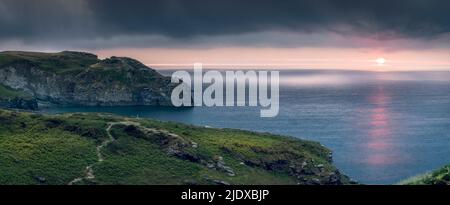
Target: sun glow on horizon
(287, 58)
(380, 61)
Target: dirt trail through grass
(89, 172)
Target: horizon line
(209, 66)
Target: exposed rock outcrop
(19, 103)
(75, 78)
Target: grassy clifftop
(55, 62)
(438, 177)
(106, 149)
(79, 78)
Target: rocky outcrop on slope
(19, 103)
(76, 78)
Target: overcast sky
(346, 34)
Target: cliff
(438, 177)
(77, 78)
(15, 99)
(80, 148)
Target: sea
(383, 127)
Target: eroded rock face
(306, 171)
(80, 79)
(19, 103)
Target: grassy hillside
(105, 149)
(79, 78)
(16, 99)
(54, 62)
(438, 177)
(9, 93)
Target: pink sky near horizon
(287, 58)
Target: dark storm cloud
(81, 20)
(24, 19)
(178, 18)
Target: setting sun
(381, 61)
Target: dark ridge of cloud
(33, 20)
(186, 18)
(79, 20)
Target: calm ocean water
(382, 127)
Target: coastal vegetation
(438, 177)
(80, 148)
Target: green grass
(54, 62)
(7, 92)
(438, 177)
(138, 161)
(113, 69)
(29, 150)
(59, 147)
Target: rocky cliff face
(16, 99)
(19, 103)
(75, 78)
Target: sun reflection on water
(380, 130)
